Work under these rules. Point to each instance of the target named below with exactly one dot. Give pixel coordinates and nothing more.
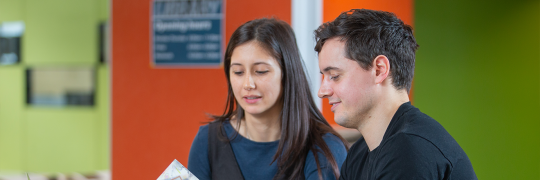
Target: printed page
(177, 171)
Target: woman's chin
(253, 111)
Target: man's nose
(324, 91)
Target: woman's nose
(249, 84)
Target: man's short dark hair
(369, 33)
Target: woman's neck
(262, 128)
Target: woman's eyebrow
(232, 64)
(258, 63)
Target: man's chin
(343, 122)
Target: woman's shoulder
(202, 134)
(204, 127)
(336, 147)
(198, 155)
(338, 151)
(201, 139)
(333, 142)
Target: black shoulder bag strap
(223, 165)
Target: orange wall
(332, 8)
(156, 112)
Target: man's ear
(381, 65)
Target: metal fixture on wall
(10, 42)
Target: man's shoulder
(422, 130)
(415, 121)
(410, 156)
(409, 145)
(422, 137)
(410, 120)
(359, 145)
(420, 157)
(358, 152)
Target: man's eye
(334, 77)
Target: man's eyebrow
(329, 68)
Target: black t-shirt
(414, 146)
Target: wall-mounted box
(10, 42)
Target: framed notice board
(60, 86)
(186, 33)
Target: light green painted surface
(478, 74)
(11, 10)
(61, 32)
(12, 100)
(62, 140)
(104, 10)
(12, 103)
(103, 123)
(49, 140)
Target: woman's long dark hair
(302, 124)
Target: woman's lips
(252, 99)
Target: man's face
(348, 87)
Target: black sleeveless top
(222, 161)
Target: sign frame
(217, 55)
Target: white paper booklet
(176, 171)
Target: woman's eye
(261, 72)
(238, 72)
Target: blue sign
(187, 32)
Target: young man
(367, 59)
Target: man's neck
(374, 125)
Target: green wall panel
(61, 32)
(103, 123)
(49, 140)
(478, 74)
(11, 118)
(61, 140)
(11, 10)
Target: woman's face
(255, 79)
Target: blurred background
(83, 94)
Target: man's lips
(334, 105)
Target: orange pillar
(156, 112)
(332, 8)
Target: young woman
(271, 127)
